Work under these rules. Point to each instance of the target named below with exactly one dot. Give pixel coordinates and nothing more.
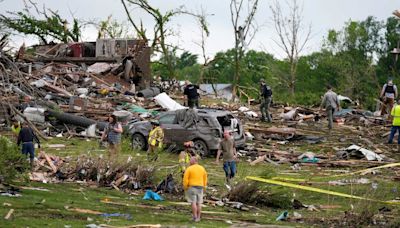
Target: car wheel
(138, 142)
(200, 147)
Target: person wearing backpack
(266, 98)
(388, 96)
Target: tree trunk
(166, 53)
(292, 83)
(237, 69)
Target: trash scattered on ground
(283, 216)
(150, 195)
(107, 215)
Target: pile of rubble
(122, 175)
(63, 89)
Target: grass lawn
(63, 203)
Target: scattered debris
(8, 216)
(150, 195)
(283, 216)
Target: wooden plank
(53, 167)
(8, 216)
(273, 130)
(79, 59)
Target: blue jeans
(28, 148)
(393, 132)
(230, 169)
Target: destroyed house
(133, 53)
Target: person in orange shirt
(194, 183)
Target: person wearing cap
(388, 96)
(155, 141)
(395, 113)
(185, 155)
(228, 150)
(194, 184)
(331, 103)
(266, 98)
(112, 134)
(192, 95)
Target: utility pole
(396, 51)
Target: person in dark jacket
(266, 98)
(27, 137)
(191, 94)
(388, 96)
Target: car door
(168, 123)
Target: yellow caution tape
(339, 175)
(307, 188)
(289, 179)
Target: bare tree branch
(288, 30)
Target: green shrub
(12, 162)
(250, 192)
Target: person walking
(266, 98)
(27, 137)
(228, 150)
(395, 113)
(194, 184)
(331, 103)
(185, 155)
(155, 141)
(112, 134)
(192, 95)
(388, 96)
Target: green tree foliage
(355, 50)
(12, 162)
(51, 27)
(185, 66)
(355, 60)
(254, 65)
(111, 28)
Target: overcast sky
(321, 14)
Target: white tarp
(248, 112)
(34, 114)
(167, 102)
(343, 98)
(291, 115)
(371, 156)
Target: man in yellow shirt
(194, 183)
(396, 123)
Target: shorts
(194, 194)
(28, 148)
